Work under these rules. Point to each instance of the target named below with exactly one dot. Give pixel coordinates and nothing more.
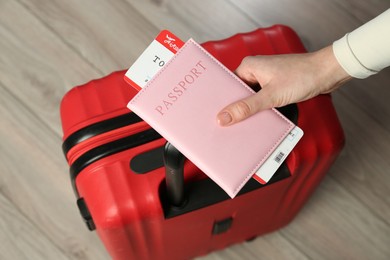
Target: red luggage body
(119, 179)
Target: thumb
(243, 109)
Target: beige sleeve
(366, 50)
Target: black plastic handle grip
(174, 175)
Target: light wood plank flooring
(47, 47)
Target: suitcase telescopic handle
(174, 175)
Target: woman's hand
(284, 79)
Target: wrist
(332, 74)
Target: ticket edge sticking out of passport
(153, 58)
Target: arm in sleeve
(366, 50)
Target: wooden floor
(47, 47)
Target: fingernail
(224, 118)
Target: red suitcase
(116, 166)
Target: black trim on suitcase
(147, 161)
(290, 111)
(99, 128)
(85, 214)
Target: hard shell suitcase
(118, 175)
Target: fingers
(245, 70)
(243, 109)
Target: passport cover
(181, 102)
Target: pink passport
(181, 103)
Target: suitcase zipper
(97, 129)
(103, 138)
